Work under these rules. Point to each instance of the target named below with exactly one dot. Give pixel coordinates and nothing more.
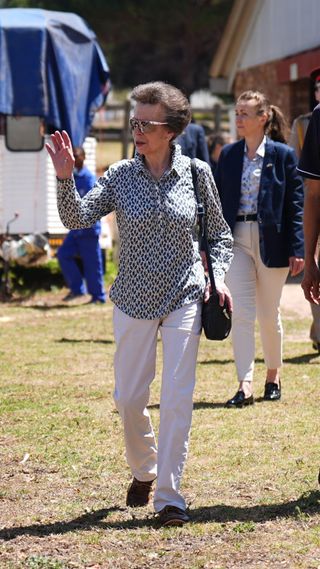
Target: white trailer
(53, 76)
(28, 188)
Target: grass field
(250, 479)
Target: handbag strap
(202, 225)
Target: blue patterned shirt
(250, 181)
(160, 268)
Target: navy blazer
(280, 199)
(193, 142)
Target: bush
(29, 279)
(48, 276)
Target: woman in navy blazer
(262, 201)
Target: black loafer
(239, 400)
(272, 391)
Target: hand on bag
(61, 154)
(223, 292)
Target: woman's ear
(170, 136)
(264, 118)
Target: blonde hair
(276, 126)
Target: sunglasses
(144, 126)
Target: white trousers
(256, 291)
(134, 366)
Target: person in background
(298, 132)
(215, 144)
(193, 142)
(83, 244)
(160, 285)
(309, 168)
(262, 201)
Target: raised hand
(61, 154)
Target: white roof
(281, 28)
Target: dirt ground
(293, 301)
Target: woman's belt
(247, 217)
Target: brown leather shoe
(172, 516)
(139, 493)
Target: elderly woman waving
(160, 284)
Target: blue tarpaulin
(51, 66)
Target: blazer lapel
(237, 168)
(268, 166)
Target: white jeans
(134, 366)
(256, 291)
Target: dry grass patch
(250, 478)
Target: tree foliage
(145, 40)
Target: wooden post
(125, 132)
(217, 117)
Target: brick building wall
(292, 97)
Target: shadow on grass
(196, 405)
(81, 341)
(212, 405)
(58, 306)
(302, 359)
(215, 362)
(86, 522)
(225, 362)
(306, 505)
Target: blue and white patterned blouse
(250, 180)
(160, 268)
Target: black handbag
(216, 319)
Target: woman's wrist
(63, 179)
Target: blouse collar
(177, 161)
(261, 150)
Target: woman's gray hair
(175, 103)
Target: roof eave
(226, 59)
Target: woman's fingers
(207, 292)
(229, 301)
(49, 150)
(57, 140)
(60, 151)
(66, 139)
(61, 141)
(223, 293)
